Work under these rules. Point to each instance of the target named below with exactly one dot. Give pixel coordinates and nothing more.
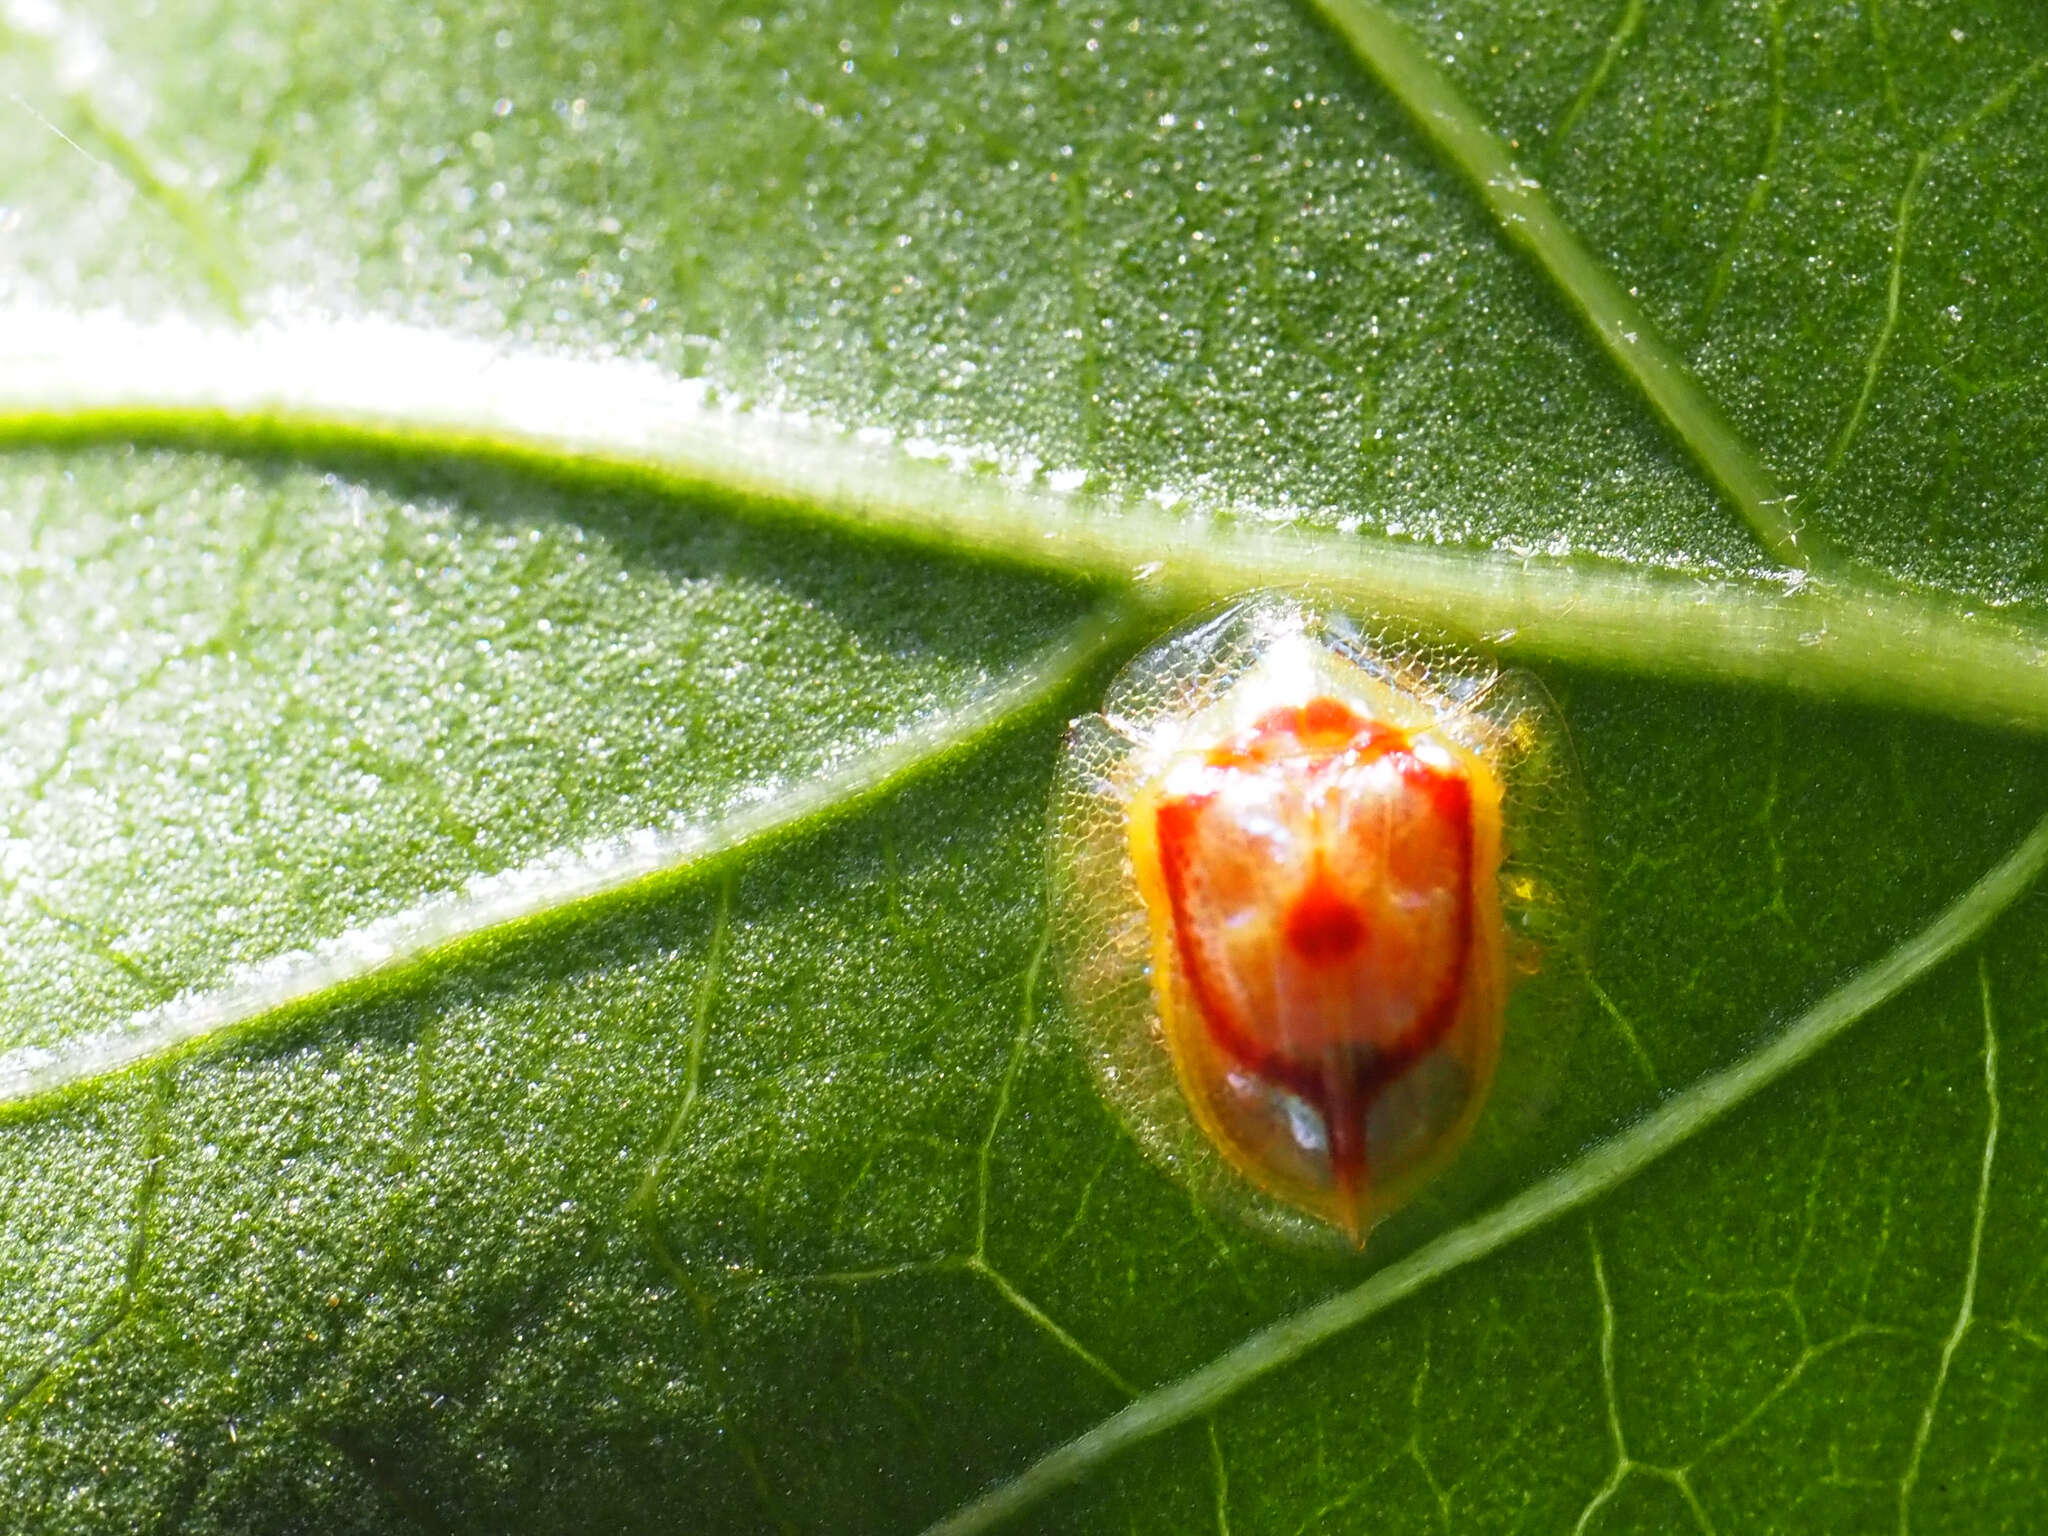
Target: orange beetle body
(1284, 852)
(1326, 936)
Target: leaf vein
(323, 385)
(549, 887)
(1528, 217)
(1766, 172)
(1623, 1463)
(1624, 33)
(134, 1262)
(1902, 216)
(78, 58)
(1573, 1187)
(693, 1069)
(1888, 325)
(1966, 1307)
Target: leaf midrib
(329, 386)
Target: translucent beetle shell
(1313, 887)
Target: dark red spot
(1324, 926)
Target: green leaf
(544, 554)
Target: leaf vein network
(1597, 1171)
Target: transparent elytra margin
(1209, 683)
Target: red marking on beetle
(1450, 794)
(1322, 926)
(1322, 727)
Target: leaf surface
(545, 553)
